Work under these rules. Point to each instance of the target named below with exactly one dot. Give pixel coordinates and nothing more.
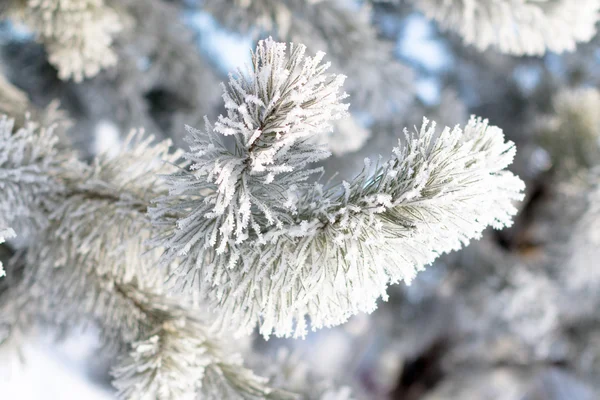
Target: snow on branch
(267, 247)
(519, 27)
(77, 33)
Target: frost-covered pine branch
(171, 351)
(77, 34)
(271, 116)
(519, 27)
(34, 170)
(268, 247)
(88, 264)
